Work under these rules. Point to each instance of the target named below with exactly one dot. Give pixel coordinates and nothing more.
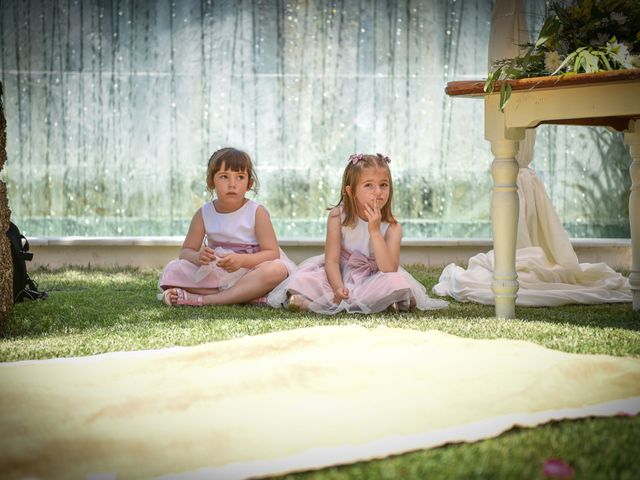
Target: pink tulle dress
(225, 233)
(370, 290)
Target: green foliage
(578, 36)
(296, 199)
(606, 189)
(414, 197)
(301, 195)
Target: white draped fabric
(548, 269)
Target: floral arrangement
(578, 36)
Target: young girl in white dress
(240, 260)
(360, 269)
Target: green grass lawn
(96, 311)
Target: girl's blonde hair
(234, 160)
(351, 176)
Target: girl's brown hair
(234, 160)
(351, 176)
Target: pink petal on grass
(556, 468)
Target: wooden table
(610, 99)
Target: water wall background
(114, 107)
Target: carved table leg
(633, 140)
(504, 220)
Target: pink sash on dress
(360, 266)
(235, 247)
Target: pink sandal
(184, 298)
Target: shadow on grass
(595, 448)
(117, 301)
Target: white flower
(552, 61)
(619, 18)
(619, 52)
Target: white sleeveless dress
(225, 233)
(370, 290)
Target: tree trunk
(6, 265)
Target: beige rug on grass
(299, 399)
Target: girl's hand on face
(340, 293)
(206, 255)
(231, 262)
(374, 215)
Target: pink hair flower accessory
(383, 157)
(355, 158)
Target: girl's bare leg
(254, 284)
(202, 291)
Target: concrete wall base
(155, 252)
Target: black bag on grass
(23, 285)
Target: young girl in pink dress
(240, 260)
(360, 269)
